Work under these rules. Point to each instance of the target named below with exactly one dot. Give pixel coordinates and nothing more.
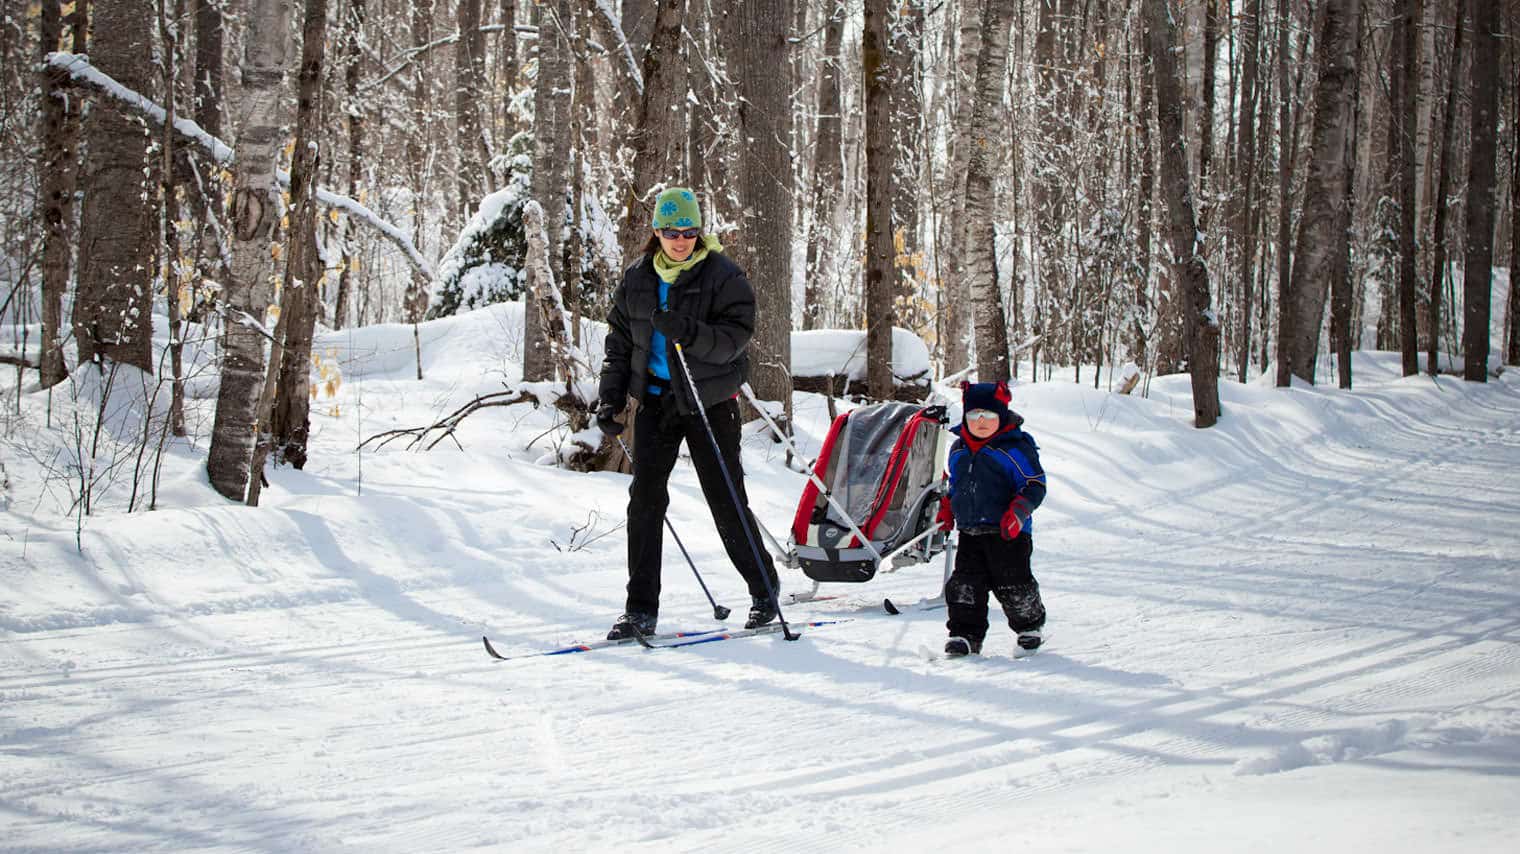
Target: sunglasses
(679, 233)
(981, 415)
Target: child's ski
(921, 605)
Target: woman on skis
(684, 292)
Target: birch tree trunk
(59, 168)
(1182, 226)
(765, 253)
(1323, 227)
(168, 236)
(113, 305)
(419, 149)
(551, 179)
(880, 271)
(1482, 187)
(828, 169)
(255, 214)
(957, 301)
(977, 243)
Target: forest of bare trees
(1043, 189)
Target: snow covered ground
(1296, 631)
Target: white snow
(1297, 631)
(842, 352)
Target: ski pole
(719, 612)
(740, 510)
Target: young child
(996, 482)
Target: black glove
(606, 415)
(679, 328)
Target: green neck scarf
(669, 270)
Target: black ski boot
(761, 612)
(630, 624)
(956, 647)
(1030, 640)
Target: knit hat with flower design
(677, 208)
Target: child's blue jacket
(984, 482)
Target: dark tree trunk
(1182, 224)
(290, 422)
(470, 179)
(113, 307)
(1244, 235)
(1206, 182)
(1512, 337)
(1144, 205)
(1438, 270)
(659, 139)
(1323, 228)
(1342, 284)
(506, 58)
(208, 66)
(353, 39)
(765, 118)
(1407, 109)
(1482, 187)
(905, 27)
(210, 84)
(880, 271)
(59, 167)
(1287, 154)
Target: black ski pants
(659, 429)
(988, 563)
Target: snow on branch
(78, 67)
(606, 20)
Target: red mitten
(946, 517)
(1013, 522)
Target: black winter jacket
(717, 295)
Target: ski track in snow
(1342, 596)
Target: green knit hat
(677, 208)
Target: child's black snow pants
(985, 562)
